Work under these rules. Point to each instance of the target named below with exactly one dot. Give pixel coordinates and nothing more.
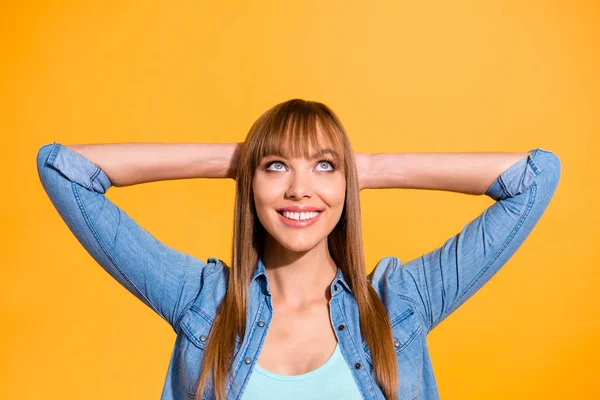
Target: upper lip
(299, 209)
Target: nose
(301, 185)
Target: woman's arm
(132, 163)
(468, 173)
(440, 281)
(76, 179)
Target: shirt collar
(260, 271)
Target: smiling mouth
(299, 219)
(300, 216)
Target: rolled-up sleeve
(164, 279)
(439, 282)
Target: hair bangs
(304, 131)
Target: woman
(295, 316)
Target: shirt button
(248, 360)
(203, 338)
(341, 327)
(261, 323)
(396, 344)
(335, 288)
(357, 366)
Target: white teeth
(300, 216)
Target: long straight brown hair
(290, 128)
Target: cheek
(334, 193)
(266, 196)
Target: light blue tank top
(332, 380)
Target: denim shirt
(186, 291)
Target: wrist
(363, 162)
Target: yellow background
(403, 76)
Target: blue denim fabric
(185, 291)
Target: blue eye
(325, 162)
(281, 166)
(274, 163)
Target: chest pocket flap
(196, 324)
(404, 330)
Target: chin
(297, 247)
(297, 243)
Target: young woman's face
(279, 183)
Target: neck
(298, 279)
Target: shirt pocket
(408, 349)
(195, 326)
(405, 329)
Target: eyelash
(328, 160)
